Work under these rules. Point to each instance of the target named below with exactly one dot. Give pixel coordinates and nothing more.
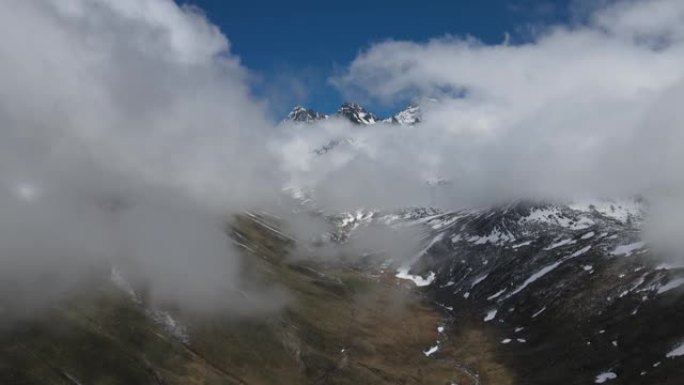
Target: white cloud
(659, 22)
(127, 136)
(590, 109)
(141, 103)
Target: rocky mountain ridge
(357, 114)
(573, 288)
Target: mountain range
(357, 114)
(571, 291)
(523, 293)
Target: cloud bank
(127, 137)
(585, 110)
(578, 111)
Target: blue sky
(294, 47)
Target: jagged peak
(412, 114)
(302, 114)
(356, 114)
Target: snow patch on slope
(403, 273)
(604, 377)
(676, 352)
(629, 249)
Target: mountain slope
(341, 326)
(528, 293)
(575, 294)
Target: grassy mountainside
(341, 325)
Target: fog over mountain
(587, 109)
(125, 121)
(519, 221)
(128, 135)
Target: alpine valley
(523, 293)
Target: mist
(129, 136)
(128, 139)
(578, 111)
(582, 110)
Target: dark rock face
(576, 296)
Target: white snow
(560, 243)
(673, 284)
(545, 270)
(506, 341)
(409, 115)
(526, 243)
(535, 315)
(494, 296)
(605, 376)
(542, 215)
(172, 326)
(478, 280)
(496, 237)
(621, 210)
(440, 221)
(676, 352)
(432, 350)
(555, 217)
(490, 315)
(588, 235)
(356, 218)
(629, 249)
(580, 251)
(403, 273)
(440, 329)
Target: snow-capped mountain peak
(306, 115)
(409, 115)
(356, 114)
